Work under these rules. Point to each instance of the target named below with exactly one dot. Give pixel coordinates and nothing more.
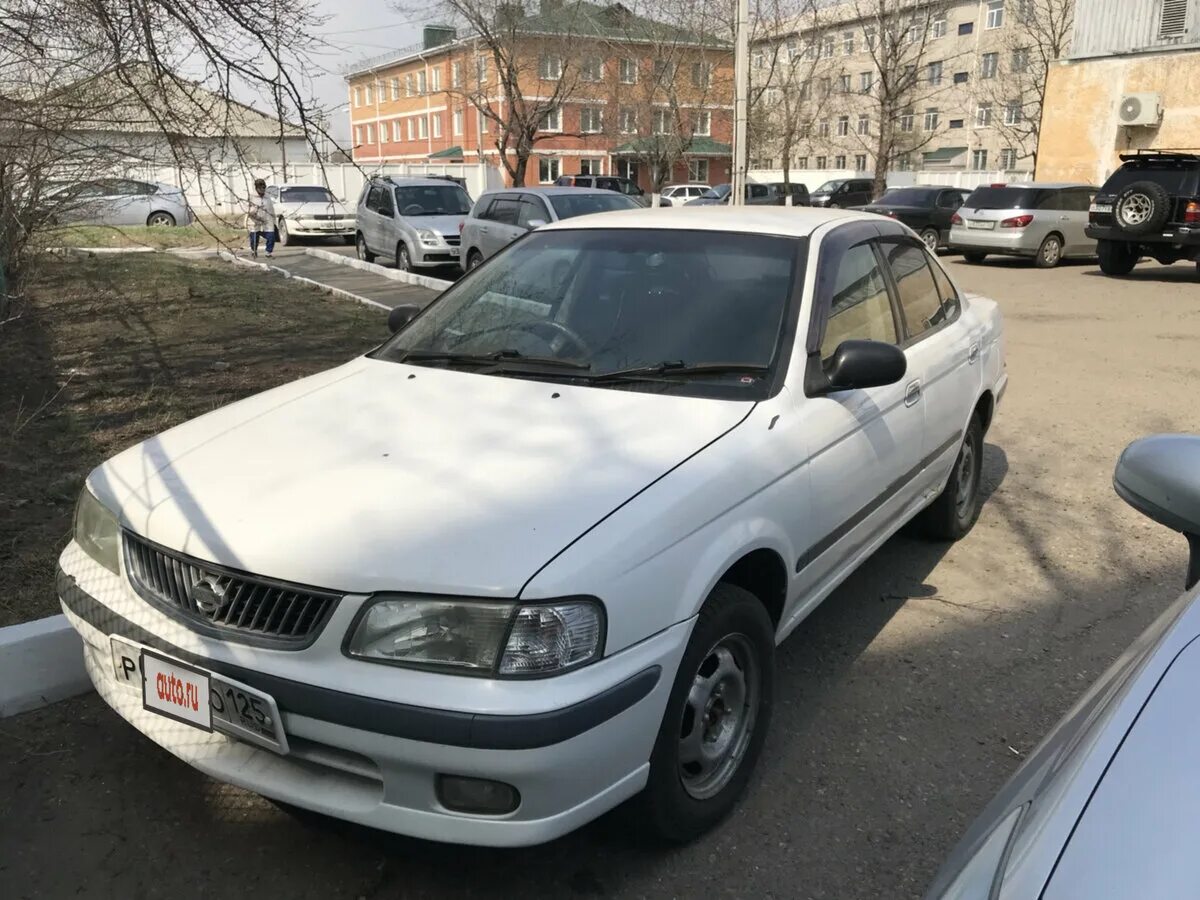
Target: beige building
(1131, 81)
(967, 69)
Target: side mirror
(864, 364)
(536, 223)
(1159, 476)
(401, 316)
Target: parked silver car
(1107, 805)
(1045, 221)
(310, 210)
(120, 201)
(500, 217)
(416, 221)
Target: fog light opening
(477, 795)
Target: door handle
(483, 230)
(1064, 218)
(912, 393)
(973, 354)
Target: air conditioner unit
(1140, 110)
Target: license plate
(981, 224)
(1100, 208)
(197, 697)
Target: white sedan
(531, 557)
(310, 210)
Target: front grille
(452, 239)
(323, 217)
(225, 602)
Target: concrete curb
(40, 662)
(328, 289)
(437, 284)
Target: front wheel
(1116, 257)
(281, 233)
(974, 257)
(403, 260)
(956, 508)
(1049, 254)
(716, 718)
(931, 238)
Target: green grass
(111, 350)
(204, 233)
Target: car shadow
(1176, 273)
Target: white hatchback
(531, 557)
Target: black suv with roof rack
(1148, 207)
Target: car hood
(381, 476)
(443, 225)
(312, 209)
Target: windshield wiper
(499, 359)
(673, 369)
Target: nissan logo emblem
(209, 595)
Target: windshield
(909, 197)
(305, 195)
(720, 192)
(567, 206)
(600, 301)
(432, 200)
(830, 186)
(1005, 198)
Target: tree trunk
(883, 155)
(518, 170)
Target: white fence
(222, 189)
(812, 178)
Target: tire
(1117, 257)
(1141, 208)
(362, 251)
(348, 240)
(931, 238)
(160, 219)
(974, 257)
(832, 206)
(1049, 254)
(474, 260)
(956, 508)
(403, 260)
(681, 799)
(281, 233)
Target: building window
(408, 85)
(549, 168)
(793, 50)
(1012, 112)
(592, 69)
(979, 160)
(826, 86)
(662, 121)
(357, 135)
(421, 83)
(843, 84)
(914, 32)
(412, 129)
(590, 166)
(843, 126)
(1020, 60)
(983, 115)
(865, 81)
(995, 14)
(627, 71)
(435, 78)
(869, 36)
(550, 68)
(1025, 12)
(422, 127)
(358, 96)
(704, 124)
(812, 49)
(552, 120)
(955, 123)
(370, 94)
(935, 72)
(481, 69)
(839, 161)
(590, 119)
(848, 43)
(1008, 159)
(370, 134)
(456, 75)
(801, 162)
(457, 122)
(937, 28)
(436, 124)
(961, 77)
(701, 74)
(664, 70)
(864, 124)
(821, 162)
(395, 83)
(966, 28)
(628, 120)
(988, 64)
(698, 170)
(1172, 21)
(906, 120)
(903, 161)
(483, 122)
(931, 119)
(860, 162)
(827, 46)
(805, 90)
(823, 128)
(758, 60)
(396, 130)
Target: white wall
(812, 178)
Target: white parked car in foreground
(531, 557)
(310, 210)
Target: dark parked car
(925, 208)
(605, 183)
(756, 195)
(1148, 207)
(840, 193)
(799, 193)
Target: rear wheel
(973, 256)
(474, 260)
(956, 508)
(362, 250)
(1116, 257)
(716, 718)
(160, 220)
(930, 238)
(1049, 253)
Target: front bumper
(374, 759)
(1010, 241)
(315, 228)
(436, 256)
(1178, 236)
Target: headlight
(480, 636)
(427, 236)
(978, 879)
(96, 531)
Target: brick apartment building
(642, 96)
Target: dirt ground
(903, 702)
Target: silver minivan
(1044, 221)
(415, 221)
(500, 217)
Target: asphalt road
(904, 701)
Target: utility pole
(741, 79)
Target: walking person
(260, 219)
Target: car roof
(413, 181)
(292, 184)
(779, 220)
(548, 191)
(927, 187)
(1049, 185)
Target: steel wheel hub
(1135, 209)
(718, 717)
(965, 478)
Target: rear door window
(506, 211)
(920, 299)
(758, 191)
(1052, 200)
(375, 199)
